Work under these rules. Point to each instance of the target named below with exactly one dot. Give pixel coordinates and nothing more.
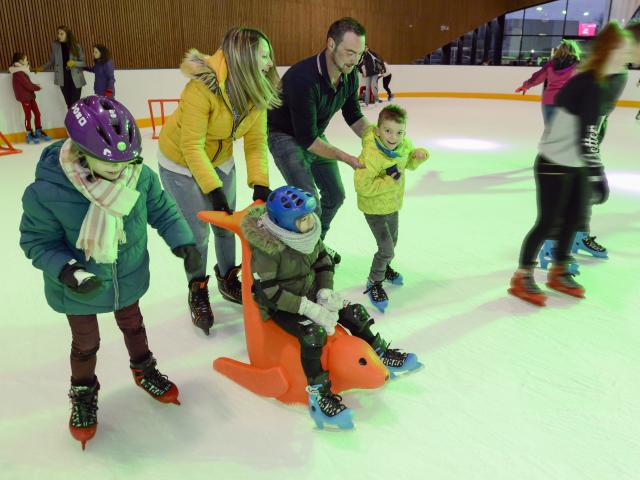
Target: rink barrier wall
(135, 87)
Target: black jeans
(305, 170)
(298, 326)
(563, 194)
(385, 83)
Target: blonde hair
(568, 49)
(246, 84)
(605, 42)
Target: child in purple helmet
(85, 226)
(293, 286)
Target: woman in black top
(568, 170)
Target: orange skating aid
(275, 369)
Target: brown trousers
(86, 341)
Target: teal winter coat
(53, 211)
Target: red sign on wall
(587, 29)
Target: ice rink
(509, 391)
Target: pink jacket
(555, 80)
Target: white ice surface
(509, 391)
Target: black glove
(219, 201)
(393, 172)
(191, 255)
(599, 189)
(261, 193)
(78, 279)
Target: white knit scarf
(103, 225)
(302, 242)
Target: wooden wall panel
(156, 33)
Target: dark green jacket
(53, 211)
(286, 274)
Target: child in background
(105, 80)
(84, 224)
(25, 92)
(386, 154)
(293, 286)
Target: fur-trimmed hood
(211, 70)
(17, 67)
(257, 236)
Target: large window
(532, 33)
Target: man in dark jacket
(314, 89)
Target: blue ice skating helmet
(286, 204)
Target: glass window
(586, 17)
(513, 23)
(546, 19)
(511, 49)
(536, 50)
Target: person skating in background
(386, 155)
(25, 92)
(370, 67)
(556, 73)
(84, 224)
(612, 88)
(569, 172)
(105, 80)
(67, 61)
(293, 286)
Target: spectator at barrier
(67, 61)
(104, 82)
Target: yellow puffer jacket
(200, 133)
(378, 193)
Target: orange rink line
(19, 137)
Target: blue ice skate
(325, 407)
(547, 256)
(395, 360)
(41, 134)
(31, 138)
(584, 242)
(393, 277)
(377, 295)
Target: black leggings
(70, 93)
(385, 83)
(312, 339)
(563, 194)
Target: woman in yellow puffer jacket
(227, 98)
(386, 154)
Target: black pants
(312, 339)
(563, 194)
(385, 83)
(70, 93)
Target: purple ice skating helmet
(286, 204)
(104, 128)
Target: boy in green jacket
(386, 154)
(293, 286)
